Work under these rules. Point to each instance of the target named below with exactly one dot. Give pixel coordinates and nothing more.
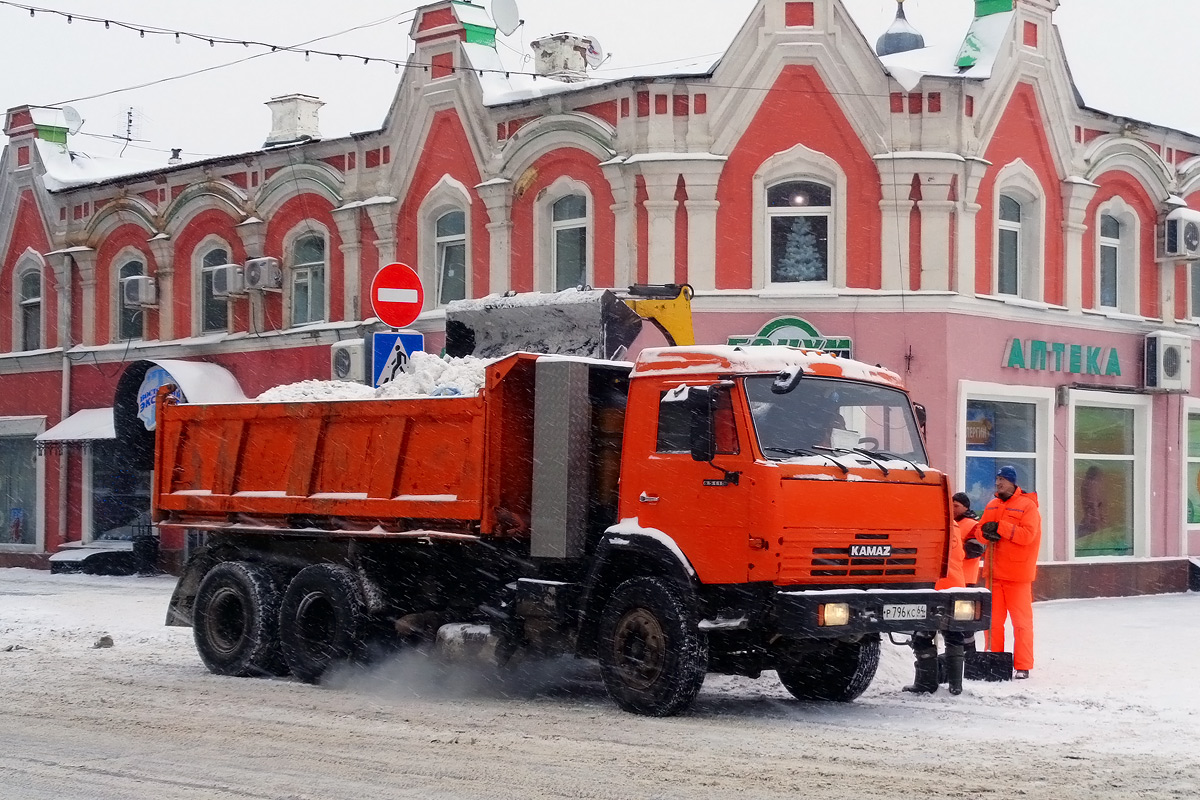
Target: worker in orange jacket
(923, 644)
(966, 520)
(1012, 524)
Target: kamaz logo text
(870, 551)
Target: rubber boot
(955, 659)
(926, 681)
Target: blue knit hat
(1009, 473)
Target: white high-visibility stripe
(396, 296)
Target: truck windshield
(823, 414)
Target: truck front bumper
(851, 612)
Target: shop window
(214, 310)
(451, 244)
(1193, 468)
(18, 490)
(1194, 272)
(29, 300)
(130, 318)
(1105, 468)
(798, 216)
(568, 226)
(999, 433)
(307, 279)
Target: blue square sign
(390, 353)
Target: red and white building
(952, 213)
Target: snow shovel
(986, 665)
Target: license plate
(906, 611)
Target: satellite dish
(595, 52)
(72, 118)
(506, 16)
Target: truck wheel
(322, 620)
(652, 655)
(838, 671)
(236, 618)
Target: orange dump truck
(706, 509)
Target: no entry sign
(397, 295)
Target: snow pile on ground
(425, 375)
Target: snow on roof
(66, 169)
(470, 14)
(766, 359)
(980, 47)
(82, 426)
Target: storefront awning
(79, 429)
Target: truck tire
(322, 620)
(653, 657)
(235, 621)
(839, 671)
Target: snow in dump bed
(763, 359)
(426, 375)
(527, 299)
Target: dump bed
(360, 467)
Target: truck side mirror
(701, 432)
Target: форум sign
(1076, 359)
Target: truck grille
(817, 560)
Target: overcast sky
(1135, 57)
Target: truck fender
(625, 552)
(183, 599)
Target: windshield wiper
(872, 454)
(876, 461)
(800, 451)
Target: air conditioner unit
(1180, 235)
(139, 290)
(1168, 361)
(263, 274)
(227, 280)
(348, 361)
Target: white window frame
(1020, 183)
(304, 229)
(447, 195)
(546, 266)
(826, 212)
(1043, 400)
(25, 267)
(442, 244)
(28, 428)
(122, 258)
(1127, 249)
(800, 163)
(1191, 405)
(207, 246)
(1142, 407)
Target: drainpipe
(64, 342)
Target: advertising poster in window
(1103, 508)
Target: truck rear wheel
(236, 618)
(838, 671)
(652, 654)
(322, 620)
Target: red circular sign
(397, 295)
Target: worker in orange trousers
(1012, 524)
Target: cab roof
(772, 359)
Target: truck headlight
(829, 614)
(965, 610)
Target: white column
(351, 248)
(1077, 196)
(497, 199)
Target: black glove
(973, 548)
(991, 531)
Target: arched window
(1116, 274)
(130, 318)
(29, 300)
(214, 310)
(568, 227)
(307, 296)
(1009, 255)
(1110, 257)
(451, 243)
(799, 215)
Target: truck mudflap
(830, 614)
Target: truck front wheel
(839, 671)
(322, 620)
(652, 655)
(235, 621)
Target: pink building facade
(1024, 262)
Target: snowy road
(1113, 710)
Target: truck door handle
(648, 498)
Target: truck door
(702, 506)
